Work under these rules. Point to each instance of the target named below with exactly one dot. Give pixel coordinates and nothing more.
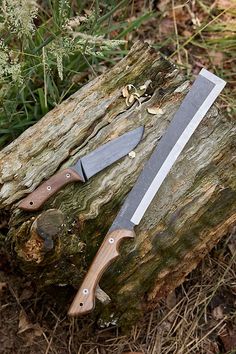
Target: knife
(195, 105)
(84, 168)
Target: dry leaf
(228, 338)
(210, 347)
(186, 33)
(171, 300)
(163, 5)
(166, 27)
(80, 77)
(3, 286)
(155, 110)
(24, 322)
(218, 312)
(25, 325)
(232, 243)
(132, 353)
(225, 4)
(218, 57)
(170, 303)
(26, 294)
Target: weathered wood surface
(194, 208)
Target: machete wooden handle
(35, 199)
(84, 300)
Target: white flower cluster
(9, 66)
(19, 15)
(73, 40)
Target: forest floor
(200, 315)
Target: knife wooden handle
(35, 199)
(84, 300)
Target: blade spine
(211, 97)
(115, 140)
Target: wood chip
(143, 87)
(131, 98)
(125, 92)
(155, 110)
(132, 154)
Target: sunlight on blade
(180, 144)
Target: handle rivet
(111, 240)
(68, 175)
(85, 291)
(49, 188)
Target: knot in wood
(49, 226)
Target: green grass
(50, 60)
(41, 68)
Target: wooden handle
(84, 300)
(35, 199)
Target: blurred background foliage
(49, 48)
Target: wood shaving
(131, 98)
(125, 92)
(132, 154)
(155, 110)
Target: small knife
(195, 105)
(84, 168)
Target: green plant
(48, 50)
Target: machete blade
(193, 108)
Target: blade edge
(179, 146)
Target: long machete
(195, 105)
(84, 168)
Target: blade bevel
(108, 153)
(195, 105)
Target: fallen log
(193, 209)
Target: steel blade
(108, 153)
(195, 105)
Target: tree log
(193, 209)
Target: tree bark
(193, 209)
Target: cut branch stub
(43, 242)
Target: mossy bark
(193, 209)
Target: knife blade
(193, 108)
(84, 168)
